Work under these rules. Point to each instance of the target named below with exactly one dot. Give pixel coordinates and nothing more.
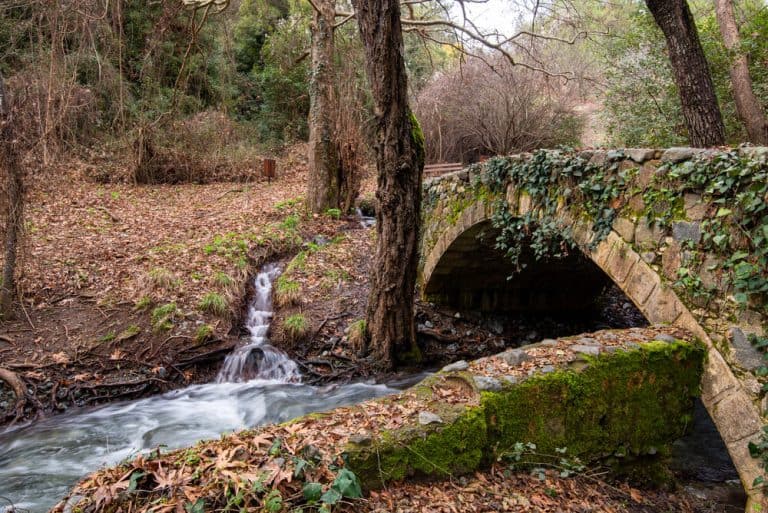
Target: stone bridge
(644, 219)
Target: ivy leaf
(312, 492)
(722, 212)
(197, 507)
(330, 497)
(134, 482)
(347, 484)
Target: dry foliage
(476, 110)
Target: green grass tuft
(287, 292)
(215, 304)
(295, 327)
(162, 316)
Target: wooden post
(270, 169)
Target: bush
(510, 109)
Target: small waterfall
(365, 221)
(258, 359)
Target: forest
(383, 255)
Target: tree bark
(9, 163)
(689, 65)
(747, 105)
(324, 166)
(400, 162)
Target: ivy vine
(550, 177)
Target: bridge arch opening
(471, 275)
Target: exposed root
(19, 389)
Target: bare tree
(747, 105)
(14, 189)
(511, 109)
(701, 111)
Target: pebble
(361, 439)
(592, 350)
(487, 384)
(426, 418)
(456, 366)
(514, 356)
(428, 324)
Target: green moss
(621, 409)
(453, 448)
(417, 138)
(634, 399)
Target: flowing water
(257, 384)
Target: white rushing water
(258, 384)
(259, 359)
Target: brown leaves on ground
(500, 490)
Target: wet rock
(744, 352)
(428, 324)
(461, 365)
(426, 418)
(592, 350)
(363, 439)
(640, 155)
(684, 231)
(495, 326)
(675, 155)
(514, 356)
(487, 384)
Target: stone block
(625, 228)
(671, 260)
(621, 262)
(641, 282)
(636, 203)
(710, 272)
(679, 154)
(744, 353)
(662, 306)
(602, 253)
(649, 236)
(689, 322)
(717, 379)
(640, 155)
(695, 207)
(646, 174)
(736, 417)
(754, 152)
(686, 231)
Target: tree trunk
(689, 65)
(399, 161)
(747, 105)
(9, 163)
(324, 180)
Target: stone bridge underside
(461, 266)
(472, 274)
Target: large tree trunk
(399, 162)
(14, 188)
(324, 168)
(689, 65)
(747, 105)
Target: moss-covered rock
(619, 408)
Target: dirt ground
(132, 290)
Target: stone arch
(728, 402)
